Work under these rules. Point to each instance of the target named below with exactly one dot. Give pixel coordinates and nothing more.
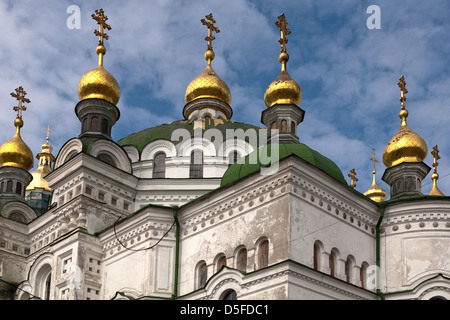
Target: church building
(210, 208)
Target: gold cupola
(208, 84)
(283, 90)
(45, 162)
(406, 145)
(99, 83)
(375, 192)
(15, 152)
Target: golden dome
(208, 84)
(15, 152)
(375, 192)
(100, 84)
(406, 145)
(283, 89)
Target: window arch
(19, 188)
(202, 274)
(241, 260)
(196, 167)
(9, 186)
(318, 249)
(18, 217)
(44, 282)
(293, 127)
(221, 262)
(333, 259)
(106, 158)
(363, 275)
(263, 254)
(349, 266)
(229, 295)
(233, 157)
(159, 165)
(283, 126)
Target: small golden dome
(208, 84)
(375, 192)
(283, 89)
(100, 84)
(15, 152)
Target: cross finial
(282, 25)
(209, 23)
(402, 85)
(101, 20)
(374, 160)
(20, 96)
(352, 176)
(435, 154)
(48, 132)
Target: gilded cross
(101, 20)
(373, 159)
(282, 25)
(48, 131)
(352, 176)
(20, 96)
(209, 23)
(402, 85)
(435, 154)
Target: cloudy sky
(348, 72)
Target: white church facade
(203, 208)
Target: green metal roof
(246, 166)
(142, 138)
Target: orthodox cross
(20, 96)
(209, 23)
(282, 25)
(48, 132)
(352, 176)
(435, 154)
(101, 20)
(374, 160)
(402, 85)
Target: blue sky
(348, 73)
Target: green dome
(164, 132)
(239, 170)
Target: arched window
(333, 258)
(241, 260)
(202, 274)
(1, 187)
(106, 158)
(363, 275)
(263, 254)
(43, 282)
(196, 167)
(317, 255)
(159, 165)
(349, 265)
(9, 186)
(105, 126)
(229, 295)
(19, 188)
(95, 125)
(233, 157)
(283, 126)
(18, 217)
(84, 126)
(292, 127)
(221, 262)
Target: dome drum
(285, 118)
(97, 116)
(13, 182)
(405, 179)
(207, 103)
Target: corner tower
(403, 156)
(98, 91)
(282, 97)
(16, 158)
